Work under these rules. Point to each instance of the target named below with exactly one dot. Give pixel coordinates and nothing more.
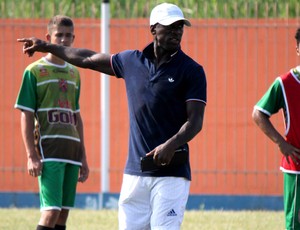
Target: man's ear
(152, 29)
(297, 50)
(48, 37)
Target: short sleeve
(273, 100)
(197, 85)
(26, 99)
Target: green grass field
(26, 219)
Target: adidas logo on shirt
(172, 213)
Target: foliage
(142, 8)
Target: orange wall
(230, 156)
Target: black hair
(297, 36)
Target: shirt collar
(296, 72)
(148, 51)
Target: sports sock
(40, 227)
(60, 227)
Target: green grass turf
(27, 219)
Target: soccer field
(27, 219)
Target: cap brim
(169, 21)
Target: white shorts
(156, 203)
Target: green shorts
(57, 185)
(291, 197)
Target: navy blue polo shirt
(157, 102)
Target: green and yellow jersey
(52, 92)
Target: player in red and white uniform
(284, 95)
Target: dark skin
(167, 41)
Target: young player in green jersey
(49, 101)
(284, 95)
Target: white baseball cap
(166, 14)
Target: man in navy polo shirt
(166, 93)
